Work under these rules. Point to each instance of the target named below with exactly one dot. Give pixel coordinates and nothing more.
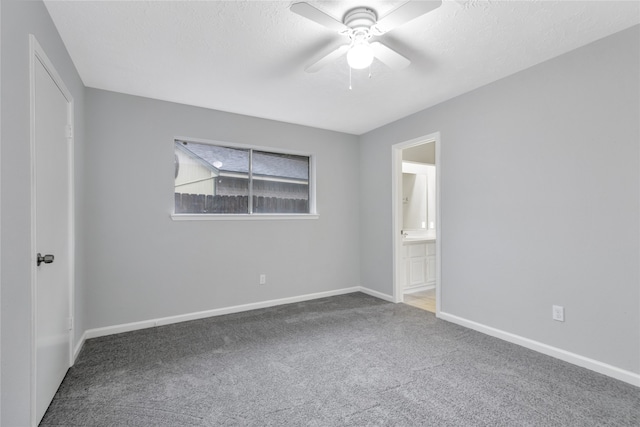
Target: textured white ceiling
(248, 57)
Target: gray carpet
(351, 360)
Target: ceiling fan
(363, 27)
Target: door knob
(47, 259)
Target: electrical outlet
(558, 313)
(263, 279)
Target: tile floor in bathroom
(426, 300)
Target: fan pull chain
(350, 88)
(370, 71)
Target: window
(215, 179)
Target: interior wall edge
(378, 294)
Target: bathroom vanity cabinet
(419, 263)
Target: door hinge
(69, 131)
(70, 323)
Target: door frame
(396, 214)
(36, 53)
(0, 209)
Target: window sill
(241, 217)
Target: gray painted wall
(142, 265)
(539, 198)
(19, 19)
(540, 203)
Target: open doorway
(416, 222)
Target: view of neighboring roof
(228, 159)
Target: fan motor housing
(360, 17)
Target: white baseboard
(134, 326)
(78, 347)
(376, 294)
(576, 359)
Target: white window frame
(313, 211)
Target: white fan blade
(405, 13)
(317, 16)
(332, 56)
(389, 57)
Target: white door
(51, 147)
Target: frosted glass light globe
(360, 56)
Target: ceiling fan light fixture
(360, 56)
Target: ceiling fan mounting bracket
(361, 22)
(360, 18)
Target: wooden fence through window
(200, 203)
